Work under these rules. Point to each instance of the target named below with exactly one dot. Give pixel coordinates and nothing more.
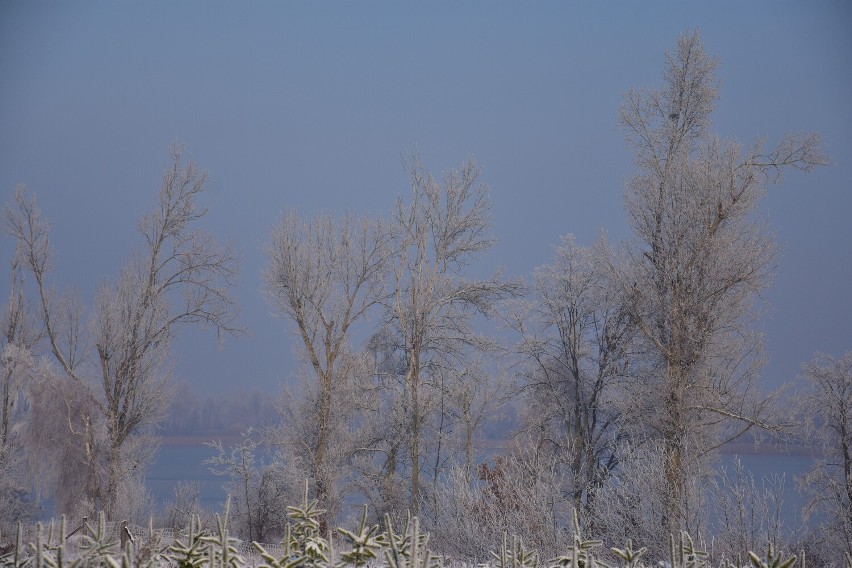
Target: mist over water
(184, 461)
(765, 465)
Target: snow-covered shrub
(632, 504)
(519, 495)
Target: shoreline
(770, 449)
(198, 439)
(739, 448)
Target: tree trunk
(674, 441)
(247, 496)
(4, 433)
(414, 380)
(468, 444)
(321, 448)
(388, 482)
(114, 473)
(415, 453)
(437, 467)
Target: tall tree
(437, 233)
(828, 406)
(575, 340)
(20, 334)
(698, 261)
(179, 276)
(325, 275)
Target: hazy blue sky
(310, 105)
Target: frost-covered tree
(472, 397)
(180, 275)
(259, 493)
(575, 339)
(437, 233)
(461, 402)
(828, 405)
(20, 334)
(325, 275)
(294, 438)
(697, 263)
(746, 513)
(379, 454)
(635, 498)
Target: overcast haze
(311, 105)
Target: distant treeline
(223, 414)
(232, 413)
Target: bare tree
(461, 402)
(437, 233)
(325, 275)
(698, 262)
(746, 514)
(575, 340)
(381, 445)
(828, 407)
(180, 276)
(20, 334)
(294, 438)
(65, 440)
(474, 395)
(239, 465)
(61, 426)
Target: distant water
(176, 462)
(184, 461)
(764, 465)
